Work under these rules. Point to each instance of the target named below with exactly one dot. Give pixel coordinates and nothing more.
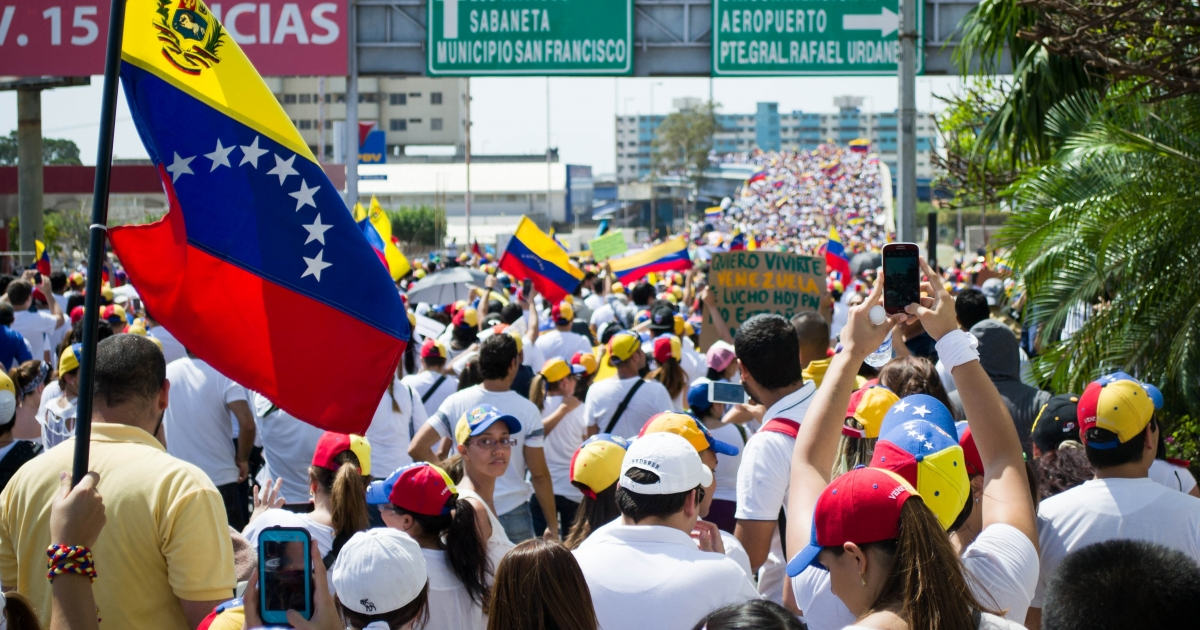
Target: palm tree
(1109, 227)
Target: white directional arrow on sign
(886, 22)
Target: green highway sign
(807, 37)
(530, 37)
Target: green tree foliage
(1108, 227)
(972, 176)
(420, 225)
(683, 141)
(55, 152)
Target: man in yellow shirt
(165, 559)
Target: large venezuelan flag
(835, 255)
(256, 238)
(531, 253)
(669, 256)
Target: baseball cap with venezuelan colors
(331, 444)
(433, 349)
(477, 420)
(919, 407)
(667, 347)
(861, 506)
(596, 464)
(622, 346)
(688, 428)
(421, 488)
(869, 406)
(931, 460)
(562, 313)
(1122, 407)
(586, 360)
(71, 356)
(466, 317)
(556, 370)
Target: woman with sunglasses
(485, 444)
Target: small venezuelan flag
(532, 254)
(669, 256)
(835, 255)
(397, 263)
(43, 258)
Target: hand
(708, 537)
(550, 534)
(243, 470)
(267, 499)
(325, 615)
(489, 282)
(937, 311)
(708, 298)
(860, 337)
(77, 514)
(571, 402)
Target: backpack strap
(624, 403)
(785, 426)
(433, 388)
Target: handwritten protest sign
(746, 283)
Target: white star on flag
(180, 167)
(219, 156)
(915, 434)
(901, 406)
(921, 411)
(283, 168)
(929, 445)
(251, 153)
(316, 231)
(315, 266)
(304, 196)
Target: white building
(411, 110)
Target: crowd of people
(565, 464)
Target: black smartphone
(901, 277)
(526, 287)
(285, 573)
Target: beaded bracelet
(69, 559)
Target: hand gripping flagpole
(97, 233)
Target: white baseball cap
(669, 456)
(379, 570)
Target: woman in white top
(57, 415)
(484, 441)
(398, 416)
(553, 392)
(668, 353)
(421, 500)
(724, 502)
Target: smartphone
(901, 277)
(285, 573)
(728, 393)
(526, 287)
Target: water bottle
(882, 354)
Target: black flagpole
(97, 233)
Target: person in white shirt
(553, 392)
(607, 397)
(35, 326)
(561, 343)
(172, 348)
(288, 447)
(198, 430)
(645, 570)
(499, 359)
(768, 351)
(431, 384)
(724, 502)
(1120, 435)
(421, 501)
(995, 534)
(396, 419)
(1174, 476)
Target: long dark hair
(466, 553)
(592, 513)
(927, 581)
(347, 489)
(539, 586)
(672, 376)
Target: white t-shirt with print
(1172, 476)
(392, 430)
(1105, 509)
(288, 446)
(197, 418)
(423, 381)
(511, 488)
(605, 396)
(560, 446)
(563, 345)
